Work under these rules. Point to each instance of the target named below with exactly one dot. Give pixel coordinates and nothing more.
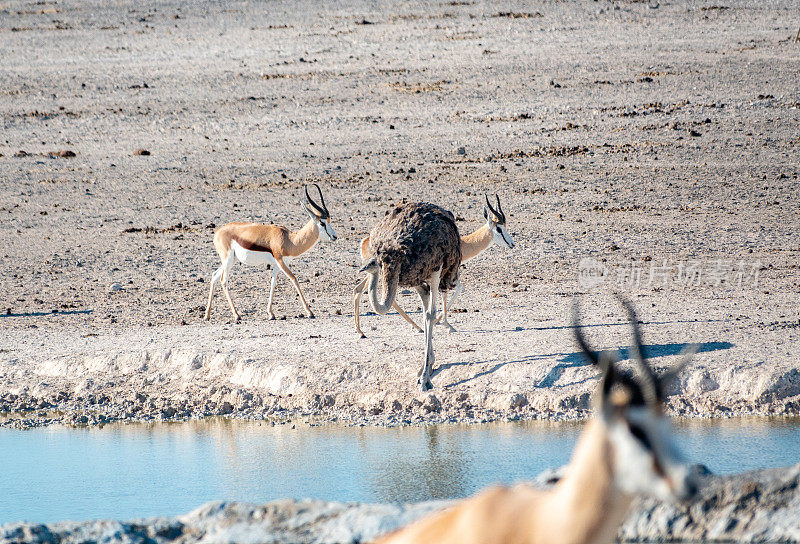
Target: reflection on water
(437, 470)
(134, 470)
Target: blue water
(137, 470)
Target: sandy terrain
(617, 131)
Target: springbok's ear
(364, 245)
(485, 213)
(309, 211)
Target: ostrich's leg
(424, 296)
(430, 318)
(357, 305)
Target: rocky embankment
(320, 368)
(760, 506)
(164, 393)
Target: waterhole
(138, 470)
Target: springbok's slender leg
(405, 316)
(224, 282)
(285, 270)
(357, 292)
(214, 279)
(446, 307)
(272, 291)
(429, 306)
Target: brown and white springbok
(258, 244)
(472, 245)
(626, 450)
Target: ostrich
(472, 245)
(416, 245)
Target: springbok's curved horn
(308, 199)
(496, 213)
(577, 327)
(322, 211)
(322, 199)
(648, 380)
(500, 209)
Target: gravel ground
(655, 139)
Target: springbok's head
(496, 221)
(320, 214)
(645, 459)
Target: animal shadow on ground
(45, 314)
(577, 359)
(651, 351)
(562, 327)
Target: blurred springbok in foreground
(626, 450)
(254, 243)
(472, 245)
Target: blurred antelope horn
(647, 379)
(577, 327)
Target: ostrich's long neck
(474, 243)
(302, 240)
(389, 290)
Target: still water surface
(136, 470)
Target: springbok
(255, 243)
(472, 245)
(626, 450)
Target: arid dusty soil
(658, 140)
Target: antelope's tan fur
(269, 245)
(279, 241)
(583, 508)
